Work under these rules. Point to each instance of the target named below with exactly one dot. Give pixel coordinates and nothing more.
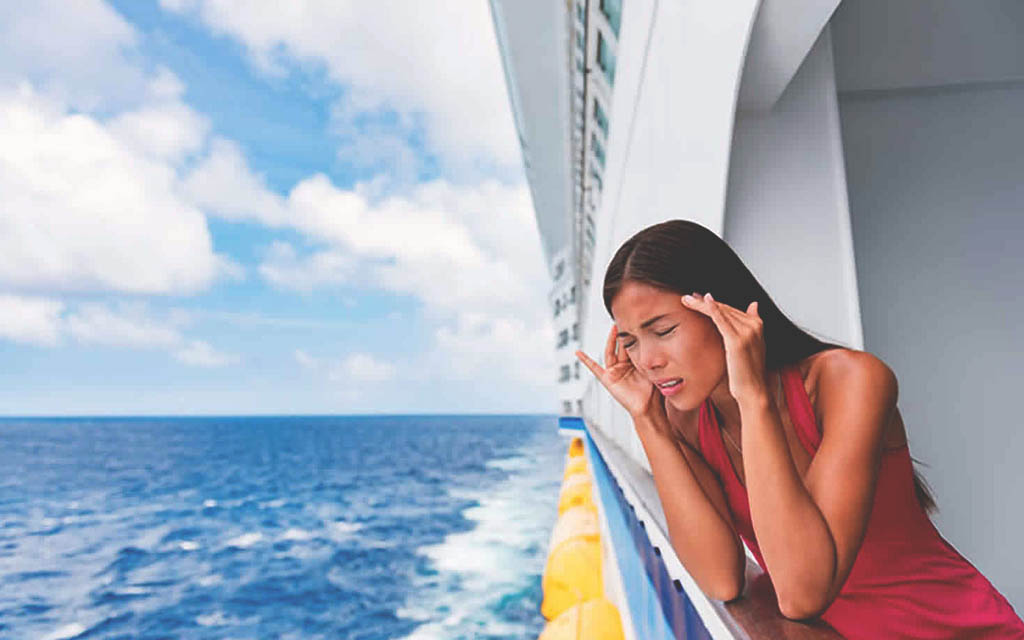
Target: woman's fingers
(594, 367)
(740, 317)
(610, 357)
(749, 318)
(710, 307)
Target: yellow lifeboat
(595, 619)
(574, 602)
(573, 570)
(577, 490)
(575, 465)
(576, 447)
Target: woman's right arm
(699, 525)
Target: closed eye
(660, 335)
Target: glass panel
(595, 144)
(605, 59)
(612, 10)
(600, 117)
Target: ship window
(605, 58)
(563, 338)
(576, 331)
(600, 117)
(565, 373)
(595, 144)
(597, 177)
(576, 370)
(612, 10)
(580, 15)
(579, 39)
(567, 406)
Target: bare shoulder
(831, 374)
(835, 369)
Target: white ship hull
(862, 158)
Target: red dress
(907, 580)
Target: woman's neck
(727, 407)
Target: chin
(683, 402)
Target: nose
(651, 357)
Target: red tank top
(907, 580)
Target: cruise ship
(864, 158)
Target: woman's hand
(743, 335)
(627, 385)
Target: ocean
(354, 527)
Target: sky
(219, 207)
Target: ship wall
(870, 179)
(933, 150)
(531, 36)
(786, 212)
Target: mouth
(670, 386)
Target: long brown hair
(682, 256)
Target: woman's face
(666, 341)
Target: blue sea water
(364, 528)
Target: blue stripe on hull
(659, 607)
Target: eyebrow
(623, 334)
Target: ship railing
(663, 600)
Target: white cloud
(482, 238)
(79, 53)
(94, 323)
(307, 361)
(353, 368)
(512, 348)
(164, 127)
(134, 327)
(43, 321)
(103, 203)
(470, 253)
(85, 210)
(430, 62)
(362, 367)
(201, 354)
(224, 184)
(92, 147)
(284, 269)
(30, 320)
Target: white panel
(787, 214)
(532, 38)
(938, 224)
(784, 32)
(881, 44)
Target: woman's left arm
(810, 529)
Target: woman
(816, 476)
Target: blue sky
(212, 207)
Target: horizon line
(258, 415)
